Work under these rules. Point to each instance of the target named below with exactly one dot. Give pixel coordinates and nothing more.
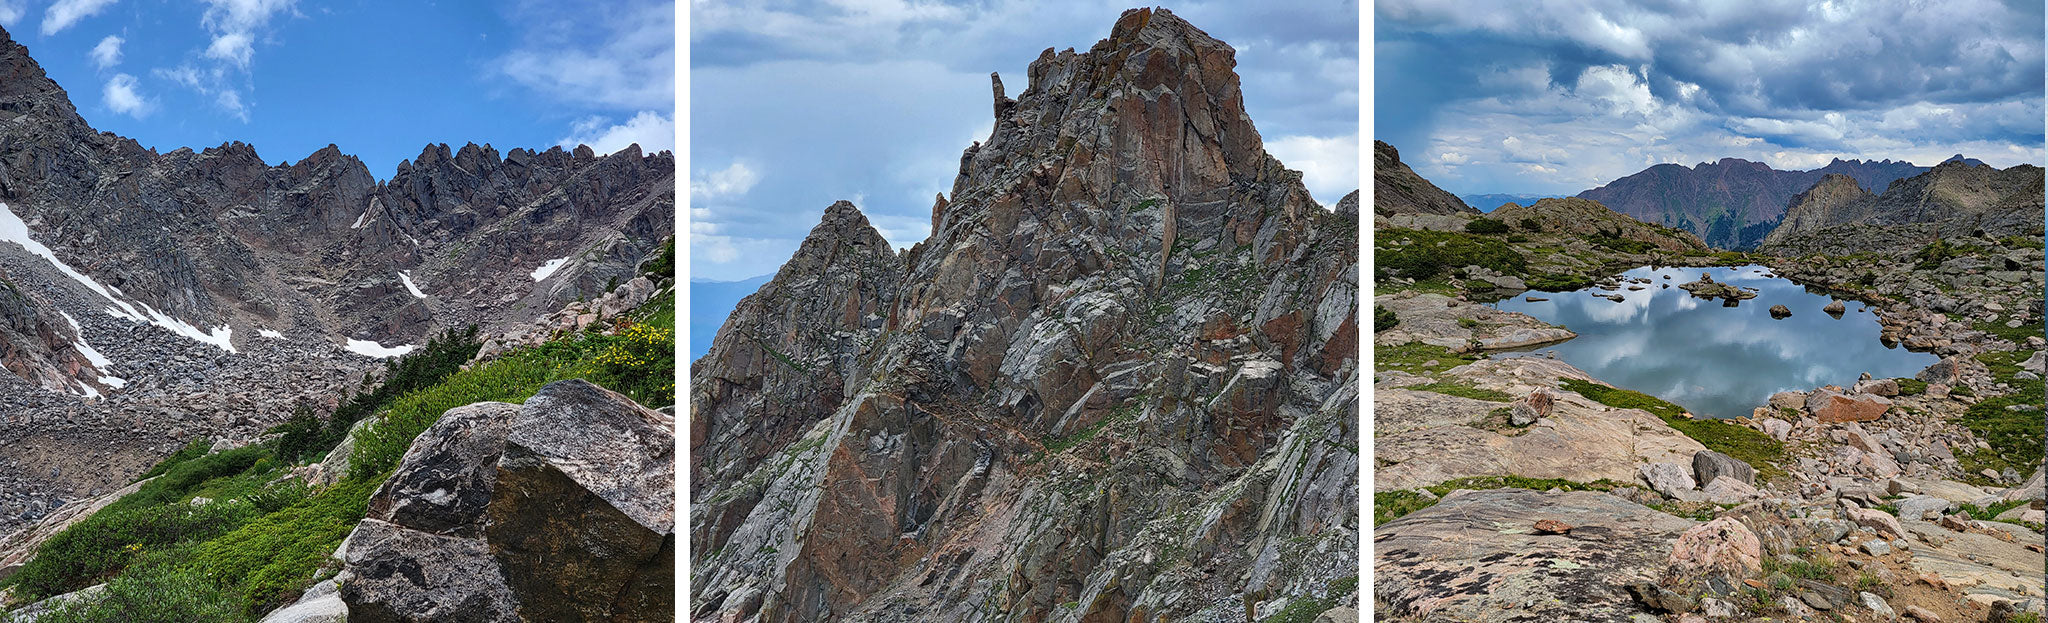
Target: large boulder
(1831, 406)
(561, 509)
(1708, 465)
(1723, 546)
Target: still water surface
(1716, 361)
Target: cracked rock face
(560, 509)
(1118, 381)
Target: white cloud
(63, 13)
(11, 12)
(231, 101)
(234, 47)
(1328, 165)
(631, 65)
(108, 53)
(121, 97)
(653, 131)
(735, 179)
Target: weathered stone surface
(1723, 545)
(1671, 479)
(561, 509)
(1708, 465)
(1428, 565)
(1728, 490)
(1831, 406)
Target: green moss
(1486, 226)
(158, 588)
(1912, 387)
(2016, 335)
(1390, 505)
(1464, 391)
(2015, 437)
(1743, 443)
(1303, 609)
(1416, 358)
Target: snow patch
(359, 221)
(13, 229)
(542, 273)
(99, 361)
(270, 334)
(406, 276)
(368, 348)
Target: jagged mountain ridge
(1118, 381)
(218, 237)
(1953, 199)
(1731, 203)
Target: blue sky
(1508, 96)
(798, 104)
(379, 79)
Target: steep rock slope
(1118, 382)
(1828, 202)
(1731, 203)
(1397, 189)
(1955, 199)
(1584, 217)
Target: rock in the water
(1835, 308)
(1781, 312)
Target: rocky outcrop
(1830, 201)
(1586, 217)
(560, 509)
(1952, 200)
(1117, 381)
(1396, 189)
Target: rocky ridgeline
(1543, 495)
(287, 260)
(1117, 382)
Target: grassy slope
(257, 545)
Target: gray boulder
(1708, 465)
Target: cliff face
(1829, 202)
(1118, 381)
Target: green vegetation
(1559, 282)
(1464, 391)
(2016, 335)
(1486, 226)
(1808, 565)
(1431, 253)
(1383, 319)
(1912, 387)
(1303, 609)
(1931, 256)
(1418, 358)
(229, 535)
(1745, 444)
(1614, 242)
(1390, 505)
(2014, 435)
(1531, 225)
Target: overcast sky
(380, 79)
(798, 104)
(1558, 97)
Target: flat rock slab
(1433, 319)
(1475, 557)
(1981, 563)
(1424, 438)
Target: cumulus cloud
(1328, 165)
(63, 13)
(1596, 90)
(108, 53)
(122, 97)
(735, 179)
(653, 131)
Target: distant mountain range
(1491, 201)
(1734, 203)
(711, 302)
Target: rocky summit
(1517, 487)
(1117, 382)
(154, 298)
